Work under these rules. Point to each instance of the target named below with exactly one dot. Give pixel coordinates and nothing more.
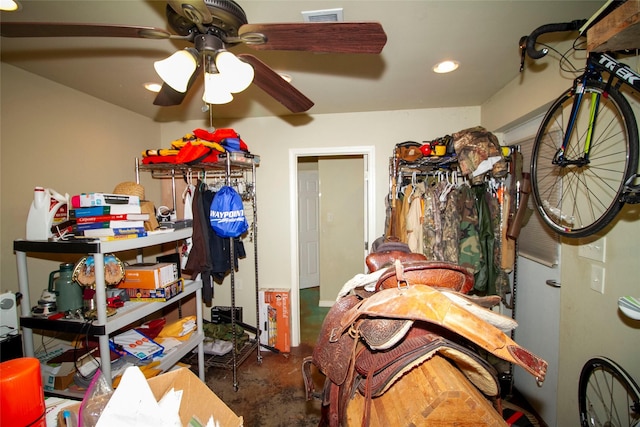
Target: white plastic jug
(47, 209)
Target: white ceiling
(482, 35)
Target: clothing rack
(403, 173)
(227, 171)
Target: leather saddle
(377, 260)
(370, 339)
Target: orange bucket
(21, 393)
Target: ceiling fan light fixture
(176, 70)
(215, 90)
(238, 75)
(446, 66)
(9, 5)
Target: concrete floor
(271, 393)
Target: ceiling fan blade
(330, 37)
(273, 84)
(53, 29)
(168, 96)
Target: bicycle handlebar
(549, 28)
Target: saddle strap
(334, 350)
(431, 273)
(309, 387)
(335, 415)
(426, 304)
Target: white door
(308, 256)
(537, 297)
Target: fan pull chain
(211, 129)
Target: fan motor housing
(227, 18)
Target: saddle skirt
(429, 305)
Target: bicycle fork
(631, 191)
(559, 158)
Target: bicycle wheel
(579, 200)
(607, 395)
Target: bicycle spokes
(578, 170)
(607, 395)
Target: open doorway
(332, 216)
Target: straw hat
(130, 189)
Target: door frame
(368, 152)
(533, 293)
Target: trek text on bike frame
(618, 69)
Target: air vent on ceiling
(326, 15)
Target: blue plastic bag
(227, 213)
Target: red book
(113, 217)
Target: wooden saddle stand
(414, 350)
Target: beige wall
(341, 222)
(74, 143)
(62, 139)
(273, 138)
(530, 92)
(590, 323)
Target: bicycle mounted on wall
(585, 154)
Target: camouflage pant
(469, 238)
(440, 222)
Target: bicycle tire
(603, 384)
(578, 201)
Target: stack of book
(107, 216)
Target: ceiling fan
(213, 27)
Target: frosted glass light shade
(176, 70)
(238, 74)
(215, 90)
(9, 5)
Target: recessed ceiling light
(445, 67)
(286, 77)
(153, 87)
(9, 5)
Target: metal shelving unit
(102, 327)
(228, 169)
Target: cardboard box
(197, 399)
(56, 372)
(58, 376)
(145, 276)
(274, 309)
(164, 293)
